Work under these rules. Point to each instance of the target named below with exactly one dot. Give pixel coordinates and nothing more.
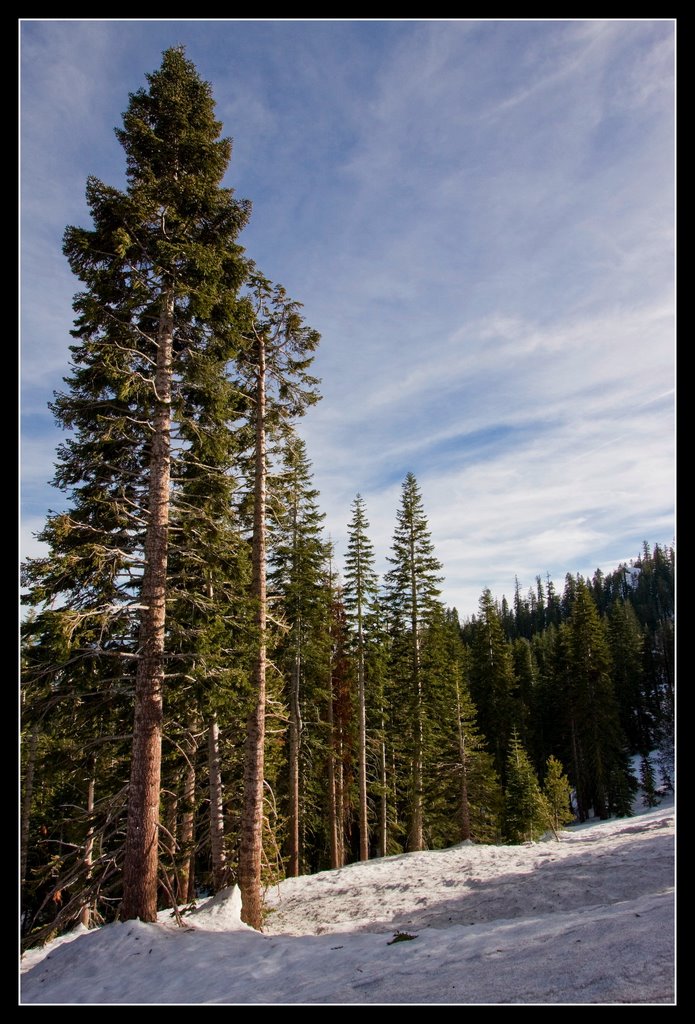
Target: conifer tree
(649, 795)
(526, 811)
(379, 734)
(492, 681)
(545, 709)
(360, 593)
(462, 788)
(653, 598)
(599, 759)
(75, 723)
(540, 608)
(626, 641)
(208, 608)
(337, 672)
(412, 589)
(161, 271)
(525, 673)
(275, 364)
(557, 792)
(341, 739)
(553, 611)
(297, 562)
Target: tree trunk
(582, 809)
(394, 793)
(294, 741)
(340, 799)
(141, 844)
(251, 843)
(415, 835)
(219, 861)
(169, 830)
(27, 797)
(383, 801)
(332, 804)
(86, 912)
(362, 739)
(186, 875)
(465, 811)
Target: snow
(633, 572)
(589, 919)
(221, 913)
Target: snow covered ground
(587, 920)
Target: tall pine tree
(360, 595)
(275, 364)
(297, 561)
(161, 270)
(412, 587)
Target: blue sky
(478, 217)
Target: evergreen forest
(209, 697)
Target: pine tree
(341, 738)
(75, 721)
(545, 710)
(492, 681)
(360, 594)
(463, 795)
(627, 657)
(599, 759)
(337, 671)
(160, 266)
(208, 611)
(526, 811)
(275, 365)
(649, 796)
(553, 612)
(161, 271)
(412, 589)
(525, 673)
(540, 607)
(297, 575)
(522, 613)
(380, 738)
(653, 598)
(557, 792)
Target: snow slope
(587, 920)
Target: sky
(587, 919)
(478, 217)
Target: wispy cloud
(478, 217)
